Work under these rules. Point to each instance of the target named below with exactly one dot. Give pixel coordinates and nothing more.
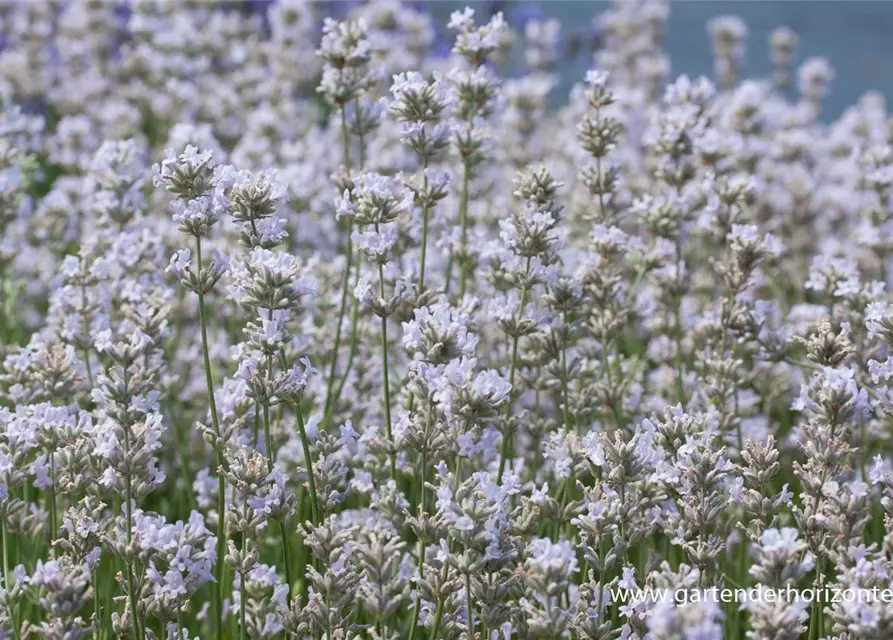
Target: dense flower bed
(310, 332)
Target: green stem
(354, 324)
(387, 387)
(438, 614)
(816, 617)
(243, 628)
(424, 226)
(6, 573)
(183, 454)
(128, 516)
(97, 612)
(820, 615)
(743, 578)
(565, 497)
(286, 556)
(601, 576)
(345, 142)
(268, 439)
(469, 624)
(7, 576)
(345, 139)
(813, 627)
(329, 626)
(215, 424)
(86, 334)
(345, 284)
(418, 604)
(424, 469)
(421, 510)
(52, 500)
(463, 221)
(506, 438)
(564, 391)
(311, 481)
(128, 534)
(268, 445)
(362, 140)
(677, 314)
(302, 549)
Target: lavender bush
(309, 332)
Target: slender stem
(345, 141)
(425, 211)
(268, 445)
(87, 365)
(302, 549)
(625, 542)
(820, 615)
(601, 184)
(564, 391)
(256, 428)
(463, 267)
(609, 379)
(268, 439)
(438, 614)
(505, 453)
(567, 488)
(506, 438)
(286, 555)
(354, 325)
(52, 500)
(329, 626)
(421, 510)
(384, 364)
(183, 454)
(308, 459)
(387, 392)
(86, 322)
(215, 424)
(345, 138)
(424, 470)
(463, 223)
(739, 613)
(813, 627)
(128, 534)
(128, 515)
(243, 628)
(418, 601)
(424, 248)
(468, 615)
(343, 308)
(677, 315)
(601, 577)
(382, 625)
(7, 576)
(97, 612)
(361, 138)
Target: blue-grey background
(855, 35)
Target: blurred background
(856, 36)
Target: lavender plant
(311, 328)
